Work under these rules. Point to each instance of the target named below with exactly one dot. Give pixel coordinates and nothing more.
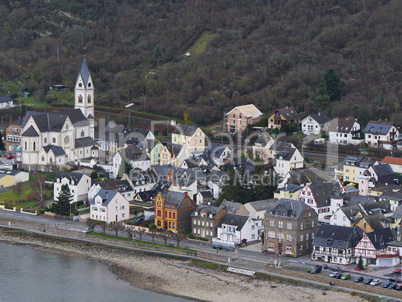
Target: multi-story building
(289, 228)
(206, 219)
(381, 135)
(189, 135)
(241, 116)
(315, 123)
(109, 206)
(13, 137)
(345, 131)
(282, 116)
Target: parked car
(358, 279)
(375, 282)
(393, 286)
(87, 230)
(368, 281)
(395, 280)
(387, 284)
(398, 271)
(398, 286)
(335, 275)
(338, 276)
(10, 156)
(345, 276)
(316, 269)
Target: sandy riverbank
(179, 277)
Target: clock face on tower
(67, 139)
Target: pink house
(239, 117)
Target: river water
(31, 275)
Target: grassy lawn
(201, 44)
(12, 195)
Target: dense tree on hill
(270, 53)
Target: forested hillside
(271, 53)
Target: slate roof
(231, 206)
(54, 121)
(262, 141)
(290, 113)
(57, 150)
(84, 72)
(206, 194)
(285, 153)
(30, 132)
(208, 209)
(115, 185)
(5, 99)
(10, 172)
(384, 173)
(336, 236)
(174, 149)
(261, 205)
(84, 142)
(379, 128)
(342, 125)
(290, 188)
(234, 219)
(380, 238)
(292, 208)
(76, 177)
(354, 199)
(321, 118)
(173, 198)
(186, 130)
(106, 195)
(307, 175)
(323, 190)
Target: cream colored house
(189, 135)
(9, 178)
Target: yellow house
(350, 173)
(9, 178)
(189, 135)
(289, 192)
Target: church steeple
(84, 92)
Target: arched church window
(26, 146)
(89, 99)
(89, 84)
(80, 84)
(34, 146)
(82, 133)
(43, 158)
(80, 99)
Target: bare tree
(140, 232)
(18, 189)
(179, 236)
(165, 235)
(103, 225)
(130, 231)
(116, 227)
(91, 223)
(39, 189)
(153, 233)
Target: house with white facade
(78, 183)
(262, 148)
(287, 158)
(394, 162)
(381, 135)
(189, 135)
(345, 131)
(236, 228)
(258, 208)
(109, 206)
(133, 157)
(6, 102)
(315, 123)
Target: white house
(236, 228)
(394, 162)
(287, 158)
(315, 123)
(344, 131)
(6, 102)
(381, 135)
(109, 206)
(78, 183)
(258, 208)
(130, 156)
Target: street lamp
(129, 115)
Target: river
(32, 275)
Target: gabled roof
(206, 194)
(231, 206)
(261, 205)
(116, 185)
(322, 191)
(106, 195)
(173, 198)
(304, 176)
(248, 110)
(174, 149)
(320, 117)
(186, 130)
(262, 141)
(285, 153)
(290, 113)
(84, 72)
(76, 177)
(384, 173)
(5, 99)
(290, 208)
(380, 238)
(235, 220)
(54, 121)
(392, 160)
(379, 128)
(342, 125)
(57, 150)
(336, 236)
(30, 132)
(84, 142)
(208, 209)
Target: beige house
(189, 135)
(239, 117)
(10, 178)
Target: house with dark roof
(381, 135)
(373, 248)
(112, 137)
(173, 211)
(315, 123)
(174, 154)
(78, 183)
(236, 229)
(262, 148)
(58, 138)
(204, 197)
(109, 206)
(282, 116)
(6, 102)
(129, 157)
(206, 219)
(318, 195)
(335, 244)
(189, 135)
(257, 209)
(289, 227)
(378, 173)
(286, 158)
(302, 177)
(345, 131)
(288, 191)
(234, 207)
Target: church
(65, 137)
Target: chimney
(107, 195)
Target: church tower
(84, 94)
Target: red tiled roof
(392, 160)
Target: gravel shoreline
(173, 276)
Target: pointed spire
(84, 72)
